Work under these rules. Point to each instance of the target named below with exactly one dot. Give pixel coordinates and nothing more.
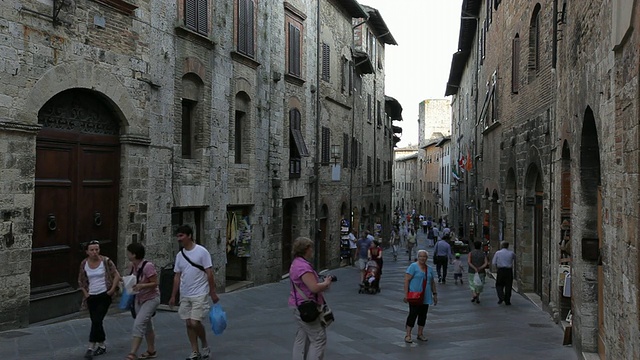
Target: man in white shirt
(353, 246)
(504, 260)
(194, 278)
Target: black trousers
(419, 312)
(98, 306)
(504, 284)
(441, 266)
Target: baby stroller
(371, 282)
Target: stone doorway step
(237, 285)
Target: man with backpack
(194, 278)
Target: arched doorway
(76, 191)
(590, 223)
(323, 237)
(532, 249)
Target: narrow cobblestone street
(366, 326)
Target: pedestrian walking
(353, 247)
(364, 243)
(375, 254)
(194, 278)
(431, 239)
(458, 269)
(393, 241)
(478, 262)
(411, 243)
(147, 299)
(419, 277)
(442, 256)
(311, 337)
(504, 260)
(98, 279)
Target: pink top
(148, 272)
(299, 267)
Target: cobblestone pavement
(260, 326)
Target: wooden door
(287, 235)
(601, 329)
(76, 188)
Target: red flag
(469, 164)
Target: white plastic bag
(477, 281)
(129, 281)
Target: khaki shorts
(362, 264)
(195, 308)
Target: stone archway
(531, 234)
(76, 195)
(588, 292)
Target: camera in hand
(333, 278)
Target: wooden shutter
(326, 145)
(242, 26)
(190, 14)
(326, 57)
(350, 77)
(345, 151)
(203, 17)
(369, 107)
(294, 50)
(515, 66)
(369, 170)
(249, 21)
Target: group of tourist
(99, 281)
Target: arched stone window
(192, 93)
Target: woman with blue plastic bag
(311, 337)
(145, 303)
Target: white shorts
(195, 308)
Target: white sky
(418, 68)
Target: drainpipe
(353, 121)
(316, 162)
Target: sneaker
(194, 356)
(99, 350)
(206, 351)
(89, 354)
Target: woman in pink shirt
(305, 286)
(146, 301)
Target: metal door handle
(51, 222)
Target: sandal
(421, 337)
(131, 356)
(408, 340)
(148, 355)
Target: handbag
(477, 281)
(417, 297)
(309, 310)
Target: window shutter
(350, 77)
(369, 107)
(190, 14)
(326, 57)
(294, 50)
(345, 151)
(515, 66)
(203, 17)
(242, 26)
(249, 22)
(326, 145)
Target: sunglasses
(94, 242)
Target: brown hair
(300, 246)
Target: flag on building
(468, 164)
(462, 162)
(455, 175)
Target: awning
(379, 27)
(396, 129)
(299, 142)
(362, 62)
(354, 9)
(393, 108)
(396, 140)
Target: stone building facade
(545, 112)
(405, 172)
(120, 120)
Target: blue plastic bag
(126, 301)
(218, 319)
